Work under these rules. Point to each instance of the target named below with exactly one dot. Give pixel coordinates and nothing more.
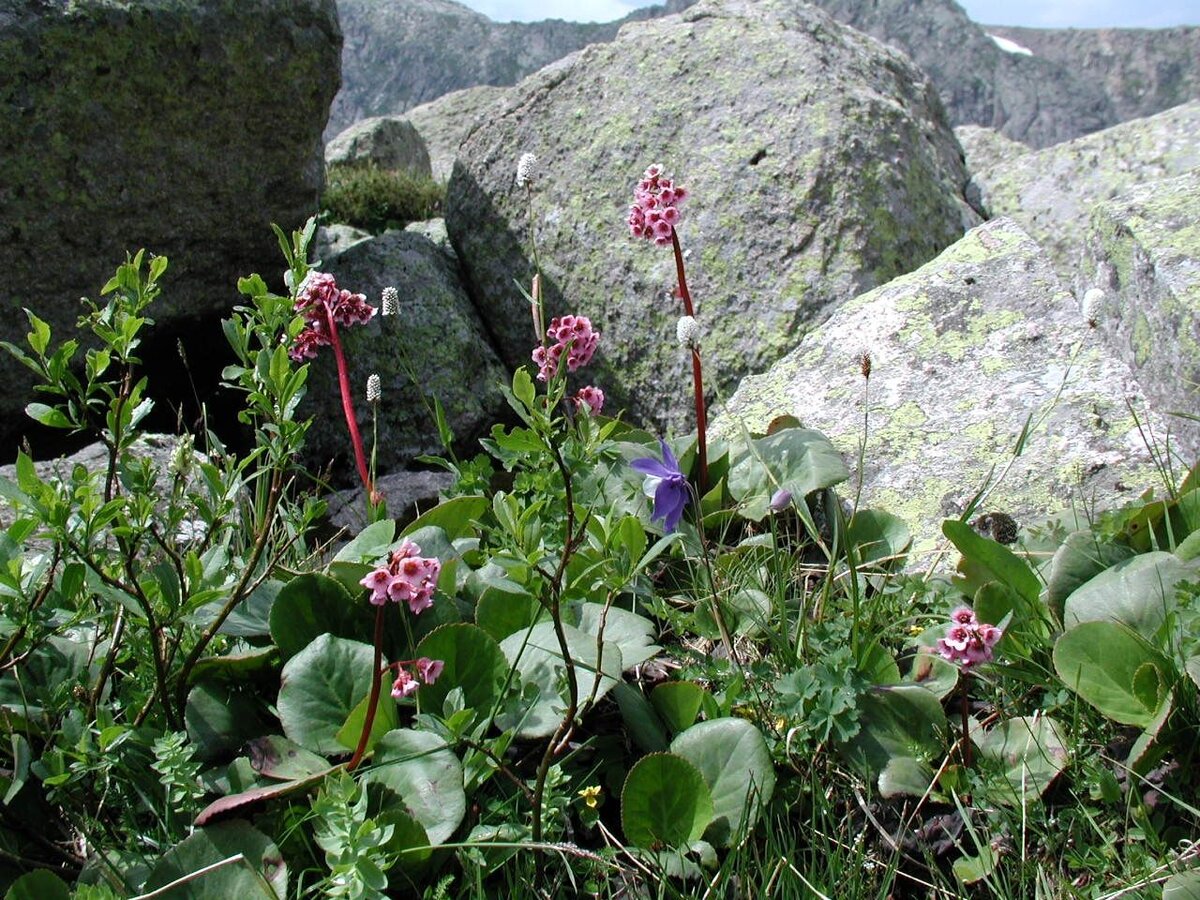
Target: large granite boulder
(820, 164)
(965, 352)
(1143, 255)
(183, 126)
(389, 142)
(435, 347)
(1051, 193)
(446, 121)
(987, 147)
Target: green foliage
(376, 199)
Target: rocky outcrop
(1143, 254)
(819, 163)
(186, 127)
(1142, 70)
(986, 147)
(1027, 98)
(434, 347)
(965, 352)
(1051, 193)
(385, 141)
(446, 121)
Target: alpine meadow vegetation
(608, 663)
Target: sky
(1035, 13)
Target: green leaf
(876, 665)
(1138, 592)
(971, 869)
(904, 775)
(473, 662)
(39, 338)
(641, 721)
(262, 874)
(420, 768)
(1103, 663)
(538, 659)
(1031, 751)
(631, 633)
(1080, 558)
(665, 802)
(314, 604)
(897, 721)
(456, 517)
(1182, 886)
(678, 703)
(503, 606)
(523, 388)
(794, 459)
(985, 560)
(936, 675)
(41, 884)
(370, 544)
(220, 718)
(880, 538)
(320, 687)
(386, 718)
(48, 415)
(277, 757)
(732, 756)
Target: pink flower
(967, 641)
(655, 210)
(407, 577)
(572, 335)
(590, 397)
(318, 299)
(429, 669)
(404, 685)
(378, 583)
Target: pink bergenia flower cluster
(427, 672)
(968, 642)
(591, 397)
(408, 576)
(573, 332)
(655, 209)
(318, 300)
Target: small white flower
(1093, 305)
(525, 173)
(374, 392)
(391, 301)
(687, 331)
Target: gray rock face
(435, 347)
(819, 163)
(334, 238)
(153, 124)
(407, 494)
(964, 351)
(1143, 70)
(1051, 193)
(387, 141)
(446, 121)
(1143, 251)
(986, 147)
(1027, 98)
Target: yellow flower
(591, 796)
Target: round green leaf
(262, 872)
(1080, 558)
(733, 758)
(419, 767)
(1182, 886)
(40, 884)
(220, 718)
(665, 802)
(1103, 663)
(880, 538)
(1138, 592)
(320, 687)
(678, 702)
(796, 459)
(473, 661)
(898, 720)
(1032, 751)
(314, 604)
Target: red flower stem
(373, 702)
(697, 378)
(348, 407)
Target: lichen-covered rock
(1143, 252)
(819, 163)
(965, 352)
(183, 126)
(334, 238)
(986, 147)
(1051, 193)
(386, 141)
(447, 120)
(435, 347)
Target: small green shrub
(376, 199)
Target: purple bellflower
(672, 492)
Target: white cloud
(1084, 13)
(571, 10)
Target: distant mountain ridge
(402, 53)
